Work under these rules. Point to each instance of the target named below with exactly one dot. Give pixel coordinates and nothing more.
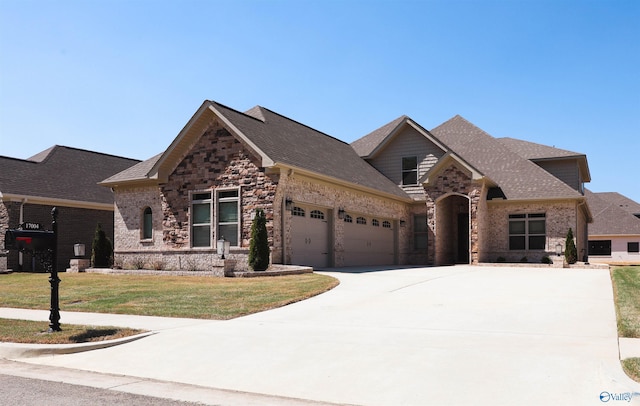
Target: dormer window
(410, 170)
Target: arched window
(298, 211)
(361, 220)
(348, 218)
(317, 214)
(386, 224)
(147, 224)
(375, 223)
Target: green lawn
(626, 288)
(170, 296)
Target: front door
(463, 238)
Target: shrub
(501, 259)
(547, 260)
(570, 250)
(101, 249)
(259, 245)
(524, 259)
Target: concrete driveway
(446, 336)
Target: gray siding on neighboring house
(406, 144)
(567, 170)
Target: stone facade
(559, 217)
(452, 193)
(305, 190)
(216, 161)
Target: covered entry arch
(453, 229)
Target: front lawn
(626, 289)
(170, 296)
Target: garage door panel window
(317, 214)
(348, 218)
(361, 220)
(298, 211)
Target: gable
(407, 142)
(277, 141)
(519, 178)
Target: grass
(36, 332)
(626, 293)
(632, 367)
(626, 288)
(169, 296)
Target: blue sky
(123, 77)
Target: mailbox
(29, 240)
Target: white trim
(50, 201)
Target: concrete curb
(20, 350)
(629, 347)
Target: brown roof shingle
(62, 173)
(608, 217)
(519, 178)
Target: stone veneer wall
(560, 215)
(217, 160)
(451, 181)
(305, 190)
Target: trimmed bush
(570, 250)
(101, 249)
(259, 245)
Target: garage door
(310, 236)
(368, 241)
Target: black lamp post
(54, 314)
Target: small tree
(101, 249)
(259, 245)
(570, 251)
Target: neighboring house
(400, 195)
(614, 236)
(62, 177)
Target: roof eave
(337, 181)
(448, 157)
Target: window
(410, 170)
(298, 211)
(201, 219)
(317, 214)
(599, 247)
(420, 232)
(527, 231)
(348, 218)
(375, 223)
(228, 216)
(361, 220)
(633, 247)
(147, 224)
(386, 224)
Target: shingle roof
(518, 177)
(366, 145)
(62, 173)
(532, 150)
(287, 142)
(609, 218)
(621, 201)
